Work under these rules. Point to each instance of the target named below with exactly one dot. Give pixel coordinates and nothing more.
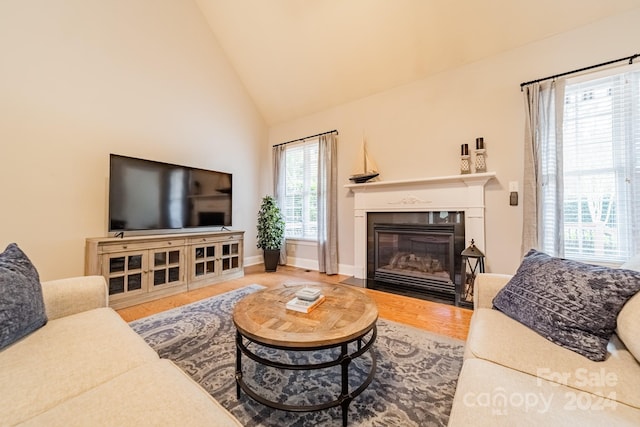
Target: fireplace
(429, 197)
(415, 253)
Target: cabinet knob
(168, 243)
(124, 246)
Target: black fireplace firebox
(416, 253)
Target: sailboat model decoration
(366, 170)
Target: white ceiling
(297, 57)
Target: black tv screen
(148, 195)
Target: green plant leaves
(270, 224)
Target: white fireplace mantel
(447, 193)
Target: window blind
(600, 167)
(301, 196)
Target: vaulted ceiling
(297, 57)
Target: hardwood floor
(431, 316)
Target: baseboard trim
(253, 260)
(305, 263)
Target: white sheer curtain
(279, 188)
(327, 204)
(543, 183)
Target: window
(301, 195)
(600, 179)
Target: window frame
(309, 197)
(624, 113)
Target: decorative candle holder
(480, 162)
(465, 164)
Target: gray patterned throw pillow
(570, 303)
(21, 305)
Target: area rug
(414, 383)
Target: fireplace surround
(425, 200)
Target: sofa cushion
(570, 303)
(629, 325)
(21, 306)
(65, 358)
(154, 394)
(499, 339)
(492, 395)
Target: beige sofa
(511, 376)
(86, 367)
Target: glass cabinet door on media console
(212, 257)
(204, 260)
(168, 267)
(125, 272)
(230, 256)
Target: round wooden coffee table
(346, 316)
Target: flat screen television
(147, 196)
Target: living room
(112, 78)
(83, 79)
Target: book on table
(308, 294)
(303, 306)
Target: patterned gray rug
(413, 386)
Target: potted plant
(270, 232)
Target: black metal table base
(344, 360)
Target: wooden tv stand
(143, 268)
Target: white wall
(416, 130)
(80, 79)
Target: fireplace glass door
(415, 255)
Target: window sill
(301, 242)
